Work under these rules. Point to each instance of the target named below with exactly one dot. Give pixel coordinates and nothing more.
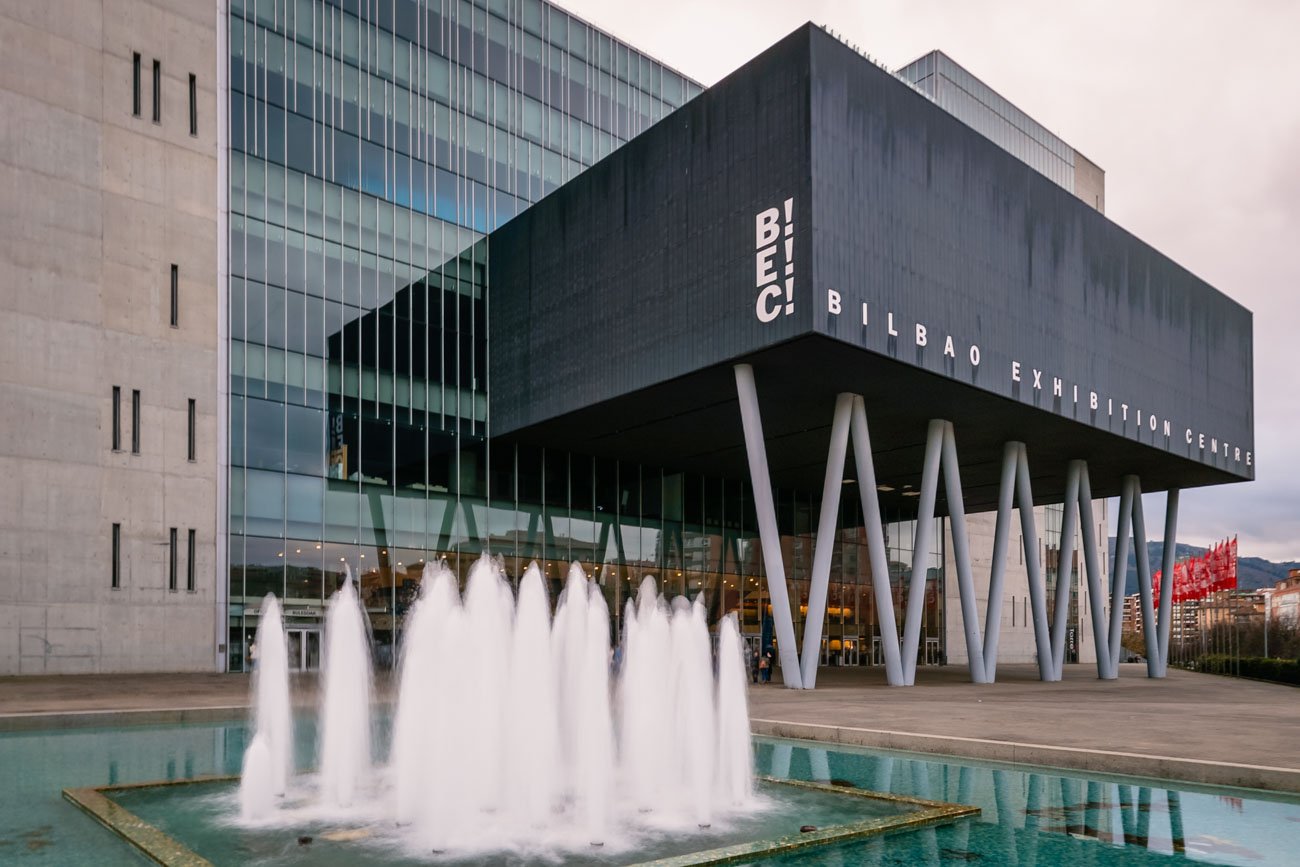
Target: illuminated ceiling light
(911, 493)
(850, 481)
(884, 488)
(297, 550)
(318, 546)
(280, 554)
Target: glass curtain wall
(372, 145)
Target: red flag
(1232, 563)
(1182, 581)
(1201, 577)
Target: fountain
(510, 734)
(268, 763)
(344, 749)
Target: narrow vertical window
(117, 556)
(194, 105)
(157, 91)
(176, 296)
(171, 565)
(189, 561)
(117, 418)
(193, 450)
(135, 84)
(135, 421)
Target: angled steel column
(880, 585)
(1167, 577)
(824, 544)
(998, 571)
(1119, 574)
(921, 549)
(1065, 566)
(768, 535)
(1092, 568)
(1037, 587)
(961, 556)
(1149, 628)
(1118, 579)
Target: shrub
(1260, 668)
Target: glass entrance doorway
(304, 648)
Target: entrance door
(304, 649)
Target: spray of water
(344, 748)
(268, 761)
(504, 733)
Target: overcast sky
(1190, 108)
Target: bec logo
(773, 234)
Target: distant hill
(1252, 572)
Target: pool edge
(1170, 768)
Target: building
(1284, 599)
(1232, 609)
(109, 345)
(431, 332)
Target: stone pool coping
(163, 849)
(1168, 768)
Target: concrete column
(1037, 589)
(1118, 575)
(1064, 566)
(1149, 628)
(1092, 568)
(998, 570)
(961, 554)
(769, 536)
(1167, 577)
(921, 549)
(824, 544)
(876, 544)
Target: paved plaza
(1192, 727)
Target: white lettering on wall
(773, 236)
(774, 287)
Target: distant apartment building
(1284, 599)
(1231, 607)
(1183, 620)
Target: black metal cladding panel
(918, 215)
(643, 269)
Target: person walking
(765, 665)
(754, 665)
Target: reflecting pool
(1030, 816)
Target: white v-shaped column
(768, 535)
(850, 417)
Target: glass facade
(372, 147)
(980, 107)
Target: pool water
(1030, 816)
(201, 818)
(1043, 816)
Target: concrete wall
(98, 205)
(1016, 639)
